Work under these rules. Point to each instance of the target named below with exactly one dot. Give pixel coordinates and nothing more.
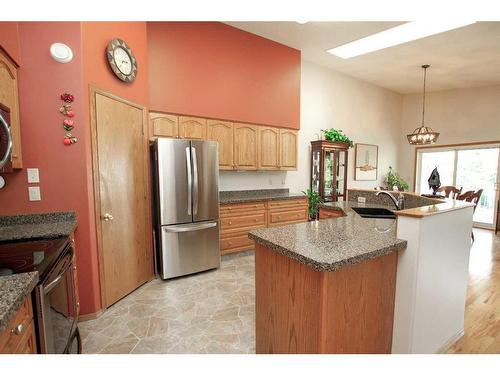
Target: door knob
(107, 217)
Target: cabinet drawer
(328, 214)
(19, 330)
(239, 208)
(287, 203)
(240, 222)
(292, 216)
(238, 242)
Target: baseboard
(448, 344)
(91, 316)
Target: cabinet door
(9, 98)
(163, 125)
(192, 128)
(269, 139)
(222, 132)
(245, 146)
(288, 149)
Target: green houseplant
(336, 136)
(394, 179)
(313, 198)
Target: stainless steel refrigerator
(186, 206)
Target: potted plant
(334, 135)
(313, 198)
(394, 179)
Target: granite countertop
(37, 226)
(243, 196)
(13, 292)
(327, 245)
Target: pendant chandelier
(423, 135)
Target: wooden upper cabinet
(9, 97)
(288, 149)
(163, 125)
(269, 139)
(222, 132)
(245, 146)
(192, 128)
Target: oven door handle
(56, 281)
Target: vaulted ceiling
(464, 57)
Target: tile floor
(212, 312)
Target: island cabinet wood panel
(325, 213)
(223, 133)
(19, 335)
(300, 310)
(192, 128)
(245, 146)
(9, 97)
(164, 125)
(269, 141)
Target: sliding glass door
(466, 167)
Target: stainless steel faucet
(399, 202)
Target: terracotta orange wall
(9, 39)
(214, 70)
(63, 170)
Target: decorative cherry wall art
(68, 123)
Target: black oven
(54, 298)
(56, 307)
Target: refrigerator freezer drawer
(189, 248)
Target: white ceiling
(464, 57)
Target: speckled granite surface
(327, 245)
(411, 200)
(244, 196)
(13, 291)
(37, 226)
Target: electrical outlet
(361, 200)
(33, 175)
(34, 193)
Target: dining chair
(450, 191)
(473, 197)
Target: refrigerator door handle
(189, 227)
(189, 180)
(195, 182)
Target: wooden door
(121, 189)
(9, 97)
(245, 146)
(269, 140)
(163, 125)
(192, 128)
(222, 132)
(288, 149)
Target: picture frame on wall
(365, 162)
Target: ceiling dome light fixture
(423, 135)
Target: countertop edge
(435, 209)
(259, 199)
(17, 302)
(327, 267)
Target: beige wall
(366, 113)
(461, 116)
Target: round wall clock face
(122, 60)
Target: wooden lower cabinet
(19, 335)
(238, 219)
(325, 213)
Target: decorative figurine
(434, 181)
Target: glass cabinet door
(315, 171)
(340, 173)
(328, 175)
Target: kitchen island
(364, 285)
(326, 286)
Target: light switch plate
(361, 200)
(34, 193)
(33, 175)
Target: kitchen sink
(377, 213)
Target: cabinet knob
(107, 217)
(230, 223)
(256, 220)
(18, 330)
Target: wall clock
(122, 60)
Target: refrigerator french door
(186, 206)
